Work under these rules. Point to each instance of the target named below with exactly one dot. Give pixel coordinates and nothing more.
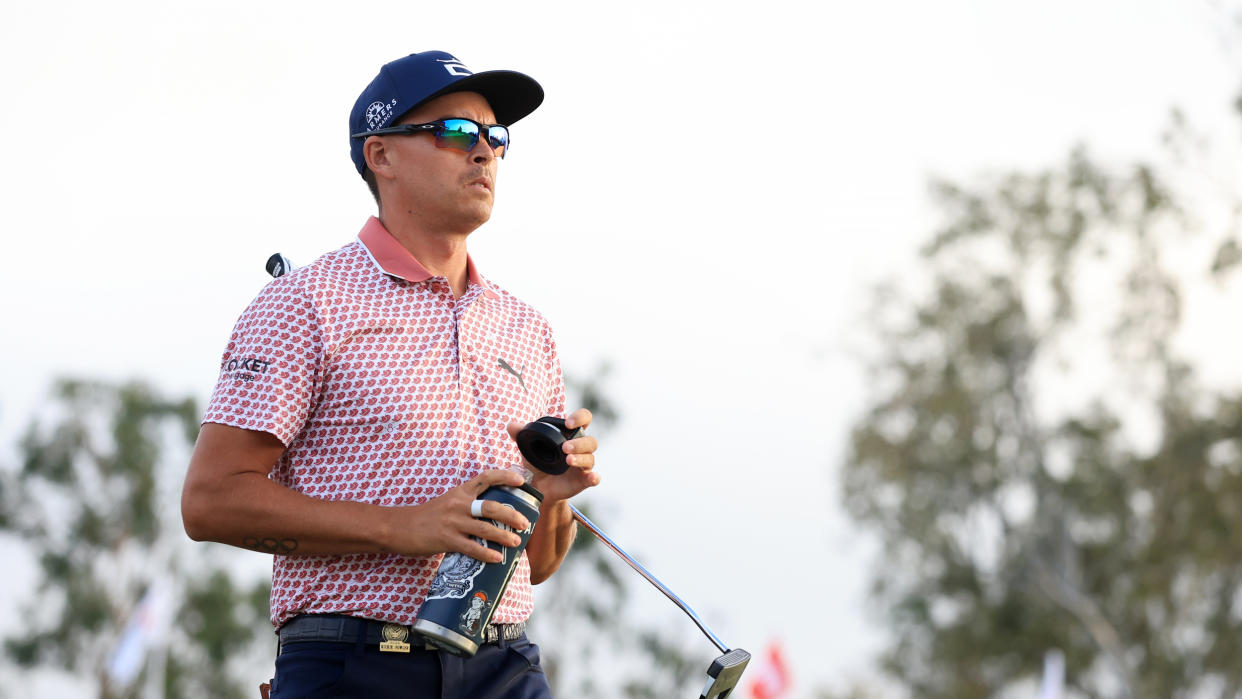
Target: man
(367, 399)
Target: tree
(1039, 459)
(95, 500)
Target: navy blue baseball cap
(408, 82)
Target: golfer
(365, 400)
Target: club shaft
(599, 534)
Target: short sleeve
(269, 374)
(556, 382)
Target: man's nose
(483, 152)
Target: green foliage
(591, 395)
(1040, 463)
(94, 499)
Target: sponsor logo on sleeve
(247, 369)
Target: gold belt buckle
(395, 639)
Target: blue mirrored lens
(458, 134)
(498, 137)
(463, 134)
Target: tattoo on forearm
(279, 547)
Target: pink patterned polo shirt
(386, 389)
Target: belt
(347, 629)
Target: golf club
(726, 670)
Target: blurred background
(907, 325)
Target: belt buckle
(396, 639)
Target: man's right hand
(445, 522)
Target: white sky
(702, 199)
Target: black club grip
(540, 442)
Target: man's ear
(377, 157)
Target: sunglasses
(454, 134)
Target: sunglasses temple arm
(599, 534)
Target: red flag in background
(772, 678)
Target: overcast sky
(702, 200)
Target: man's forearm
(554, 534)
(253, 512)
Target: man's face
(447, 190)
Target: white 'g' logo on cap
(455, 67)
(378, 113)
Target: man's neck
(443, 253)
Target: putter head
(724, 673)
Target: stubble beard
(480, 203)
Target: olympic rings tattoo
(279, 547)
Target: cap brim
(512, 95)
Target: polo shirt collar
(392, 258)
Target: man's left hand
(580, 455)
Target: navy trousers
(322, 669)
